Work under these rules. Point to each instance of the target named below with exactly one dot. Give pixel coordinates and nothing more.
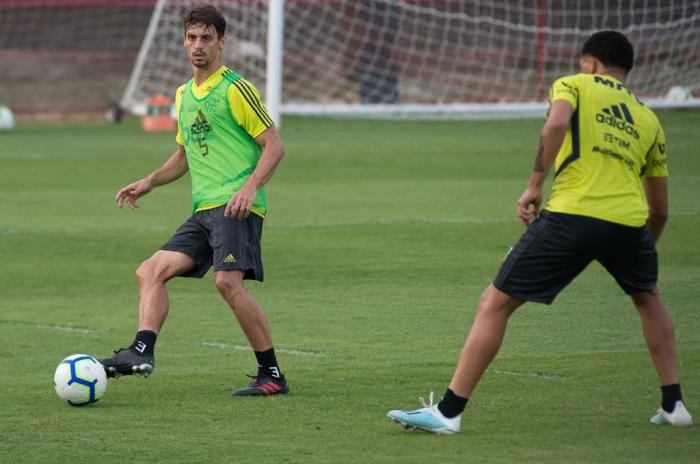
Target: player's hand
(239, 205)
(529, 205)
(132, 192)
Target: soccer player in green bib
(228, 143)
(608, 203)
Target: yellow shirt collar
(210, 83)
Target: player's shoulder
(570, 84)
(570, 79)
(566, 88)
(243, 94)
(640, 109)
(650, 114)
(228, 74)
(180, 90)
(586, 80)
(242, 87)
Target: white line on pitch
(247, 348)
(385, 222)
(64, 328)
(540, 375)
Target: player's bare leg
(657, 327)
(152, 275)
(484, 340)
(250, 315)
(659, 334)
(269, 379)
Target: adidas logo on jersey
(619, 117)
(229, 259)
(201, 126)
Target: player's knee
(228, 284)
(647, 301)
(653, 310)
(147, 273)
(483, 301)
(487, 303)
(495, 302)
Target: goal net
(417, 58)
(434, 57)
(68, 56)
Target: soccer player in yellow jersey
(608, 203)
(229, 145)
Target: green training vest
(221, 155)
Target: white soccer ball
(678, 93)
(80, 379)
(7, 119)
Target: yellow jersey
(246, 108)
(612, 142)
(244, 102)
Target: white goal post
(425, 58)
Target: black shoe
(264, 385)
(126, 362)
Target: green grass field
(379, 240)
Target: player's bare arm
(273, 151)
(552, 136)
(656, 190)
(174, 168)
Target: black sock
(669, 395)
(144, 343)
(452, 405)
(267, 363)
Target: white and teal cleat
(680, 417)
(428, 418)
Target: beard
(200, 61)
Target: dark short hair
(207, 15)
(611, 48)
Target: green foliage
(380, 238)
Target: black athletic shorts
(227, 243)
(557, 247)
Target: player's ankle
(144, 343)
(670, 395)
(452, 405)
(267, 364)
